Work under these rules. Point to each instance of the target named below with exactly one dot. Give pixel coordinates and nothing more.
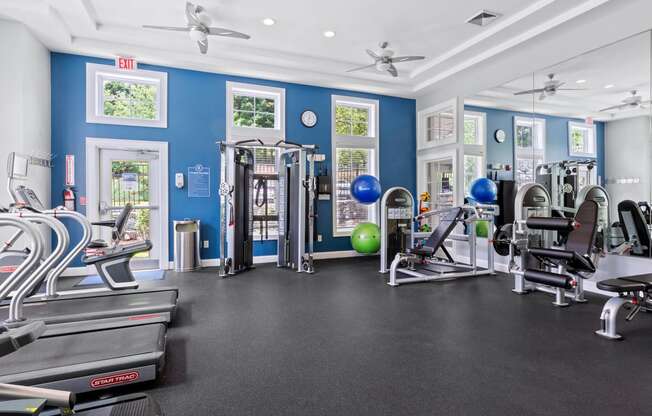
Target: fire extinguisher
(69, 198)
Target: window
(133, 98)
(355, 152)
(255, 112)
(437, 125)
(265, 164)
(581, 139)
(475, 126)
(351, 120)
(529, 148)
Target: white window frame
(594, 140)
(95, 76)
(371, 141)
(267, 136)
(422, 124)
(535, 123)
(479, 150)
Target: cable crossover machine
(242, 189)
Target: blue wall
(197, 118)
(556, 137)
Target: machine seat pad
(620, 286)
(646, 279)
(97, 244)
(573, 260)
(426, 251)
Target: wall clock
(500, 135)
(309, 118)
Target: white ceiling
(625, 65)
(294, 49)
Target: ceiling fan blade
(407, 58)
(373, 54)
(360, 68)
(559, 84)
(615, 107)
(203, 46)
(191, 14)
(572, 89)
(218, 31)
(392, 70)
(176, 29)
(526, 92)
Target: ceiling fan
(549, 88)
(384, 60)
(635, 101)
(199, 26)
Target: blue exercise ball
(483, 190)
(365, 189)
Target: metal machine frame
(534, 200)
(296, 191)
(407, 263)
(401, 212)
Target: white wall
(628, 149)
(622, 18)
(24, 105)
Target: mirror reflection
(581, 129)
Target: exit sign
(126, 63)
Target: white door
(132, 176)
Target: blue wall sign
(199, 182)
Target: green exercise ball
(482, 229)
(365, 238)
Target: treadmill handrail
(34, 255)
(28, 285)
(87, 235)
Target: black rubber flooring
(342, 342)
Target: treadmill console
(28, 197)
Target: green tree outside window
(130, 100)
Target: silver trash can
(186, 245)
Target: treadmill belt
(77, 355)
(79, 309)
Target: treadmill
(33, 401)
(85, 360)
(80, 305)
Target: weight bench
(421, 263)
(632, 290)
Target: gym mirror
(581, 128)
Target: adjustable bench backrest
(447, 223)
(581, 239)
(121, 222)
(634, 225)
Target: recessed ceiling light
(268, 21)
(329, 34)
(609, 86)
(580, 81)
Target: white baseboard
(321, 255)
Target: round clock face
(500, 135)
(309, 118)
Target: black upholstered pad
(572, 259)
(423, 251)
(621, 286)
(643, 278)
(447, 223)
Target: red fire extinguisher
(69, 198)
